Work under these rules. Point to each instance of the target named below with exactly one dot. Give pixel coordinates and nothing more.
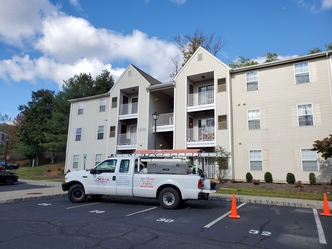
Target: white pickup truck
(168, 180)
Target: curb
(32, 198)
(270, 201)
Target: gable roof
(147, 77)
(200, 49)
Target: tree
(222, 162)
(315, 50)
(328, 46)
(34, 123)
(4, 118)
(271, 57)
(188, 44)
(242, 62)
(324, 146)
(82, 85)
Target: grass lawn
(45, 172)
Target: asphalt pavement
(26, 190)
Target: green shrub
(290, 178)
(312, 178)
(249, 177)
(268, 177)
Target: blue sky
(44, 42)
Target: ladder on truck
(177, 153)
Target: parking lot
(126, 222)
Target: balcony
(201, 137)
(200, 101)
(165, 122)
(126, 141)
(128, 111)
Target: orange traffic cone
(326, 209)
(234, 214)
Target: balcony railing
(127, 139)
(165, 119)
(201, 98)
(201, 134)
(130, 108)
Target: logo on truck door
(101, 179)
(146, 182)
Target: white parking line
(89, 204)
(221, 217)
(139, 212)
(320, 230)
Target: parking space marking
(320, 230)
(142, 211)
(89, 204)
(221, 217)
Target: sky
(45, 42)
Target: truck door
(124, 178)
(102, 180)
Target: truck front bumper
(64, 186)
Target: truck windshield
(107, 166)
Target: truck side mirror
(93, 171)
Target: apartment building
(266, 116)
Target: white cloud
(76, 4)
(178, 2)
(68, 45)
(21, 21)
(327, 4)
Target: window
(222, 85)
(75, 161)
(80, 108)
(206, 95)
(98, 158)
(254, 119)
(206, 129)
(106, 166)
(200, 57)
(301, 72)
(124, 166)
(305, 115)
(256, 161)
(114, 102)
(222, 122)
(102, 105)
(100, 135)
(112, 131)
(252, 81)
(129, 73)
(78, 134)
(309, 160)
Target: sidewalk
(49, 189)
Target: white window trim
(295, 73)
(77, 134)
(313, 116)
(76, 161)
(101, 132)
(250, 170)
(301, 158)
(250, 81)
(102, 102)
(80, 106)
(260, 119)
(101, 158)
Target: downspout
(108, 124)
(230, 125)
(329, 68)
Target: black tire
(76, 193)
(169, 198)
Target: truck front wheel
(169, 198)
(76, 193)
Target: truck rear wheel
(76, 193)
(169, 198)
